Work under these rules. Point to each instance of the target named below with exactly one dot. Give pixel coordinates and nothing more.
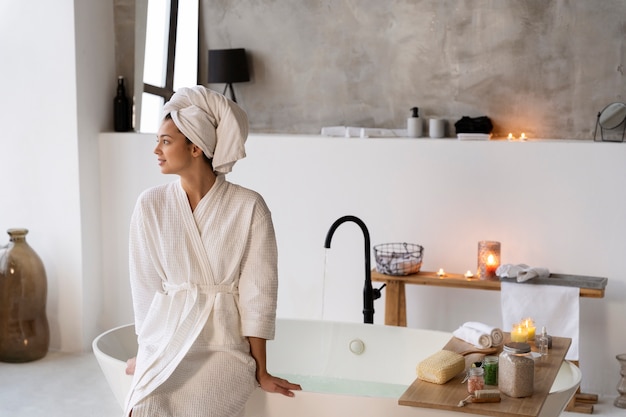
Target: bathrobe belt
(195, 289)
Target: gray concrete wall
(542, 67)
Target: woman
(203, 266)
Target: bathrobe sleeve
(145, 275)
(258, 282)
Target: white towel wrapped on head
(212, 122)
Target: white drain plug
(357, 346)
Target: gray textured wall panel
(542, 67)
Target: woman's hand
(271, 383)
(268, 382)
(130, 366)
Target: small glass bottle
(516, 370)
(121, 108)
(490, 365)
(476, 380)
(542, 342)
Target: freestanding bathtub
(344, 369)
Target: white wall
(553, 204)
(56, 63)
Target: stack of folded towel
(479, 334)
(522, 272)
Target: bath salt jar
(475, 380)
(516, 370)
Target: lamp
(228, 66)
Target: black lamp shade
(228, 66)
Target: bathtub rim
(574, 369)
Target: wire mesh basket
(398, 258)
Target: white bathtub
(336, 379)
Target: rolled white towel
(475, 337)
(497, 336)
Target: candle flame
(491, 260)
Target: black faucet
(369, 294)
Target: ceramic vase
(24, 331)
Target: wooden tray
(447, 396)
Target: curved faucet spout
(369, 294)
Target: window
(170, 57)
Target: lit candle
(511, 137)
(469, 274)
(523, 136)
(440, 273)
(530, 328)
(519, 333)
(492, 265)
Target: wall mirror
(610, 118)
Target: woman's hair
(168, 116)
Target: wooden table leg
(395, 304)
(580, 402)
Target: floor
(72, 385)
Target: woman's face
(173, 151)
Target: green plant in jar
(490, 364)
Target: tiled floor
(59, 385)
(66, 385)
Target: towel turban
(212, 122)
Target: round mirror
(612, 116)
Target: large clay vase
(24, 331)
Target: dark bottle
(121, 108)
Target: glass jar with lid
(475, 379)
(490, 365)
(516, 370)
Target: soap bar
(441, 367)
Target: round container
(475, 381)
(490, 365)
(516, 370)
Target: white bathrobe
(201, 282)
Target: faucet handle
(376, 292)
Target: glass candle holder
(488, 259)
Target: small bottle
(476, 380)
(490, 364)
(121, 108)
(542, 342)
(414, 125)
